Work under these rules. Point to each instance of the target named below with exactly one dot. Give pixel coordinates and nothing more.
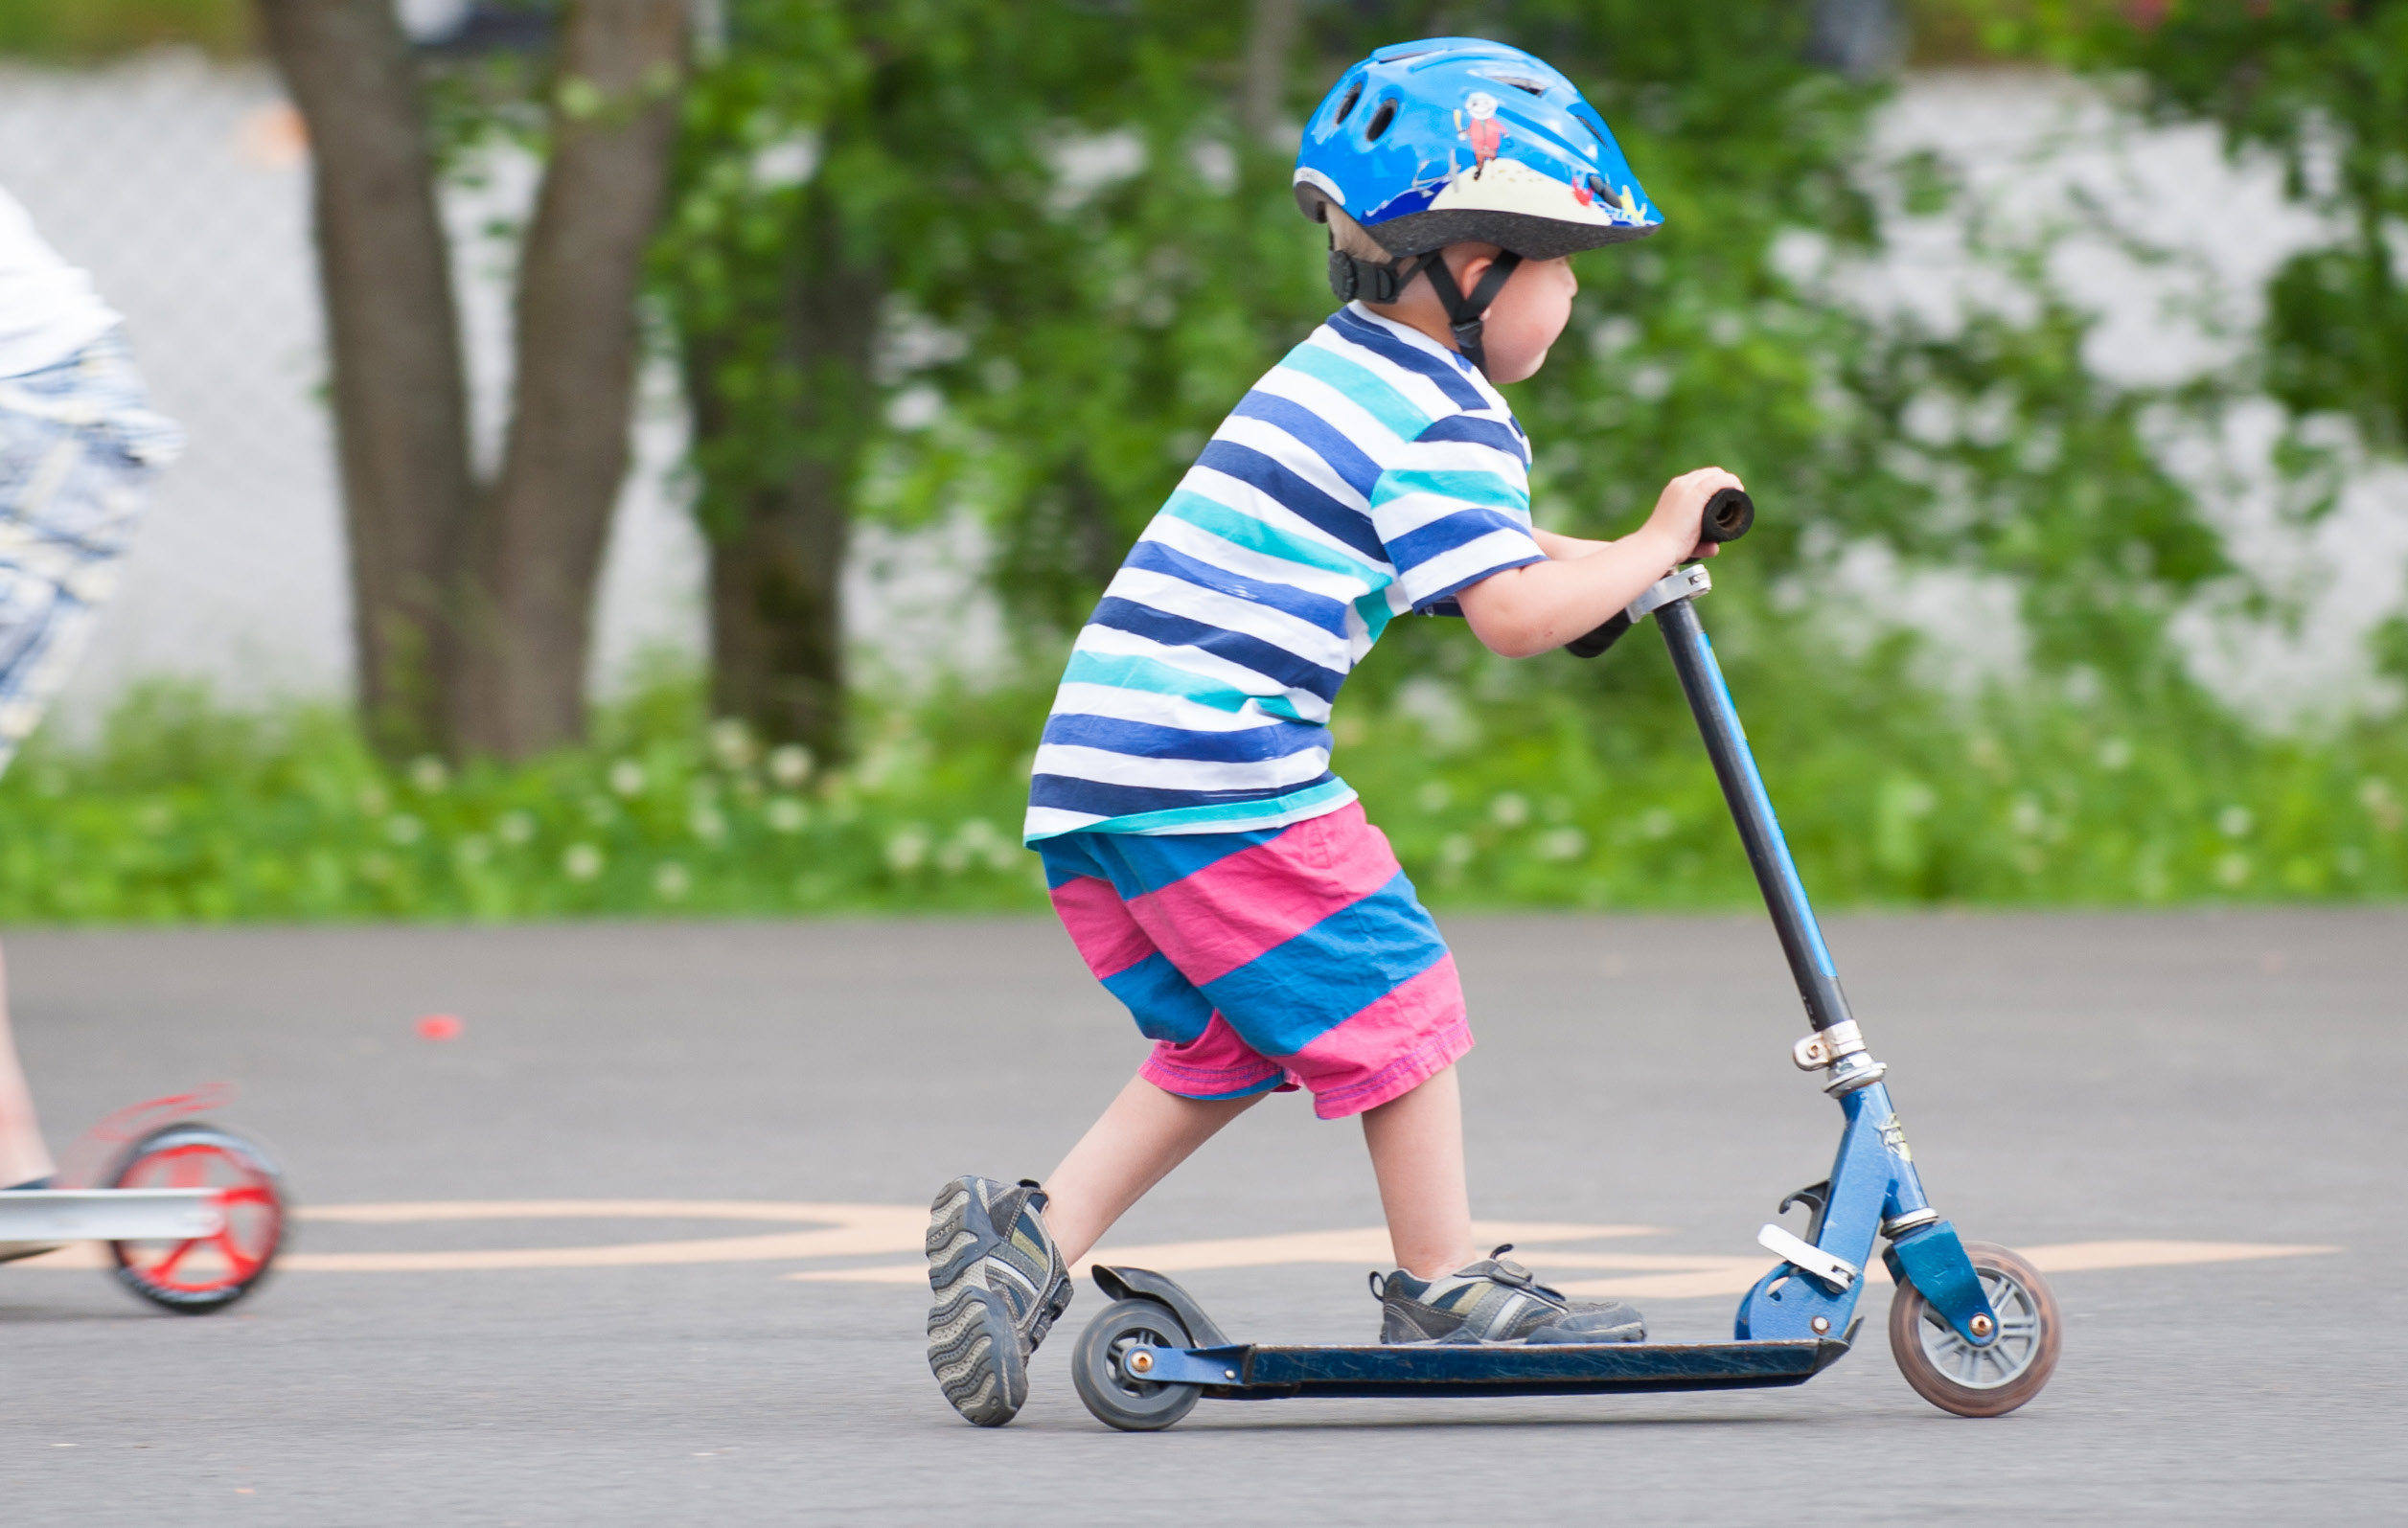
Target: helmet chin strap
(1467, 316)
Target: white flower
(732, 743)
(1562, 843)
(787, 814)
(908, 849)
(789, 764)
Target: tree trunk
(1271, 31)
(536, 550)
(779, 531)
(400, 406)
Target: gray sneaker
(1001, 1284)
(1496, 1300)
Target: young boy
(1217, 878)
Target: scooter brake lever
(1816, 1198)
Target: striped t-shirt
(1371, 472)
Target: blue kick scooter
(1973, 1326)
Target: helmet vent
(1536, 87)
(1346, 107)
(1380, 119)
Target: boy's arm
(1564, 548)
(1525, 611)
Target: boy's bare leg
(23, 1158)
(1143, 1135)
(1416, 1144)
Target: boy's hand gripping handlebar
(1727, 516)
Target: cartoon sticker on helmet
(1484, 132)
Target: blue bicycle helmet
(1457, 139)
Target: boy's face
(1526, 316)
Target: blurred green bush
(86, 31)
(1496, 790)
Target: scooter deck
(109, 1215)
(1251, 1372)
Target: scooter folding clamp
(1826, 1046)
(1841, 1048)
(1838, 1272)
(1680, 584)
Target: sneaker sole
(972, 1348)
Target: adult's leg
(1416, 1143)
(1144, 1134)
(23, 1158)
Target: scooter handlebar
(1729, 515)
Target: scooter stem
(1759, 830)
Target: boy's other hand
(1680, 511)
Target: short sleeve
(1455, 509)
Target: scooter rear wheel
(1118, 1399)
(207, 1273)
(1954, 1375)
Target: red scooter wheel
(207, 1273)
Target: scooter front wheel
(1116, 1398)
(1993, 1380)
(207, 1273)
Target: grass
(182, 811)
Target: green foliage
(1885, 794)
(83, 31)
(183, 812)
(2322, 85)
(1090, 258)
(1523, 796)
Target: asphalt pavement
(588, 1319)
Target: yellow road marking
(871, 1230)
(1366, 1246)
(1737, 1275)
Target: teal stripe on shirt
(1128, 671)
(1363, 387)
(1233, 817)
(1469, 488)
(1240, 529)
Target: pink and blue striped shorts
(1288, 957)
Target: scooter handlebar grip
(1729, 515)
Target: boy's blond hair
(1351, 238)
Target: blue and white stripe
(1371, 472)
